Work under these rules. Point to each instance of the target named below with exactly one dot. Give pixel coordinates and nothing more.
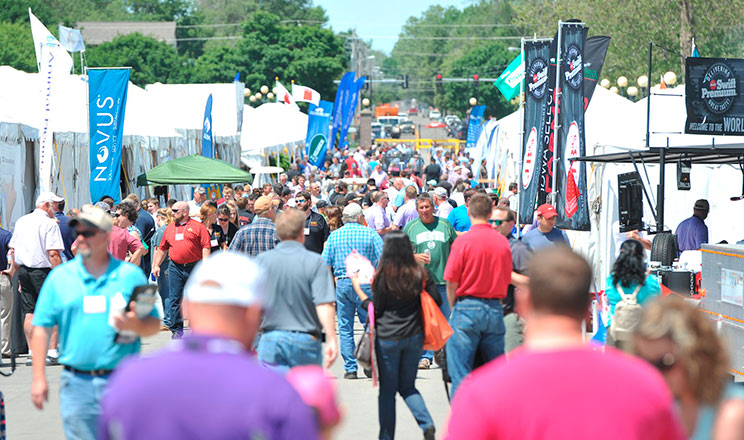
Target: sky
(378, 20)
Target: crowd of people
(256, 291)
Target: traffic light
(438, 80)
(405, 81)
(475, 80)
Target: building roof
(97, 32)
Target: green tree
(486, 61)
(17, 47)
(632, 24)
(151, 60)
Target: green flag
(510, 79)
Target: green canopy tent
(195, 169)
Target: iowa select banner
(107, 100)
(536, 100)
(713, 87)
(316, 142)
(572, 205)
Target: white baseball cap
(226, 278)
(48, 196)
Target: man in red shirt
(478, 274)
(187, 241)
(555, 386)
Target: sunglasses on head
(664, 363)
(496, 222)
(87, 233)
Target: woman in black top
(224, 229)
(399, 330)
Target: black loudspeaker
(630, 195)
(683, 174)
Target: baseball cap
(48, 196)
(93, 217)
(702, 205)
(352, 210)
(226, 278)
(262, 204)
(440, 192)
(318, 391)
(201, 190)
(546, 210)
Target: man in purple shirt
(407, 212)
(693, 232)
(213, 386)
(376, 216)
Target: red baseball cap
(546, 210)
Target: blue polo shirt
(79, 304)
(459, 219)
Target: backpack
(627, 315)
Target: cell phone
(147, 290)
(144, 298)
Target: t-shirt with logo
(436, 238)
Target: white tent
(269, 129)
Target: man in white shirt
(443, 206)
(37, 244)
(200, 195)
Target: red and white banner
(305, 94)
(282, 94)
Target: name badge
(307, 231)
(179, 237)
(213, 242)
(94, 304)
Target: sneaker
(350, 375)
(424, 364)
(177, 334)
(429, 433)
(28, 361)
(368, 372)
(51, 361)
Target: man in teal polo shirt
(86, 298)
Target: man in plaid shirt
(260, 235)
(352, 236)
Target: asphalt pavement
(358, 399)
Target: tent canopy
(194, 169)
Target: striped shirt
(252, 239)
(351, 237)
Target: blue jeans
(348, 302)
(445, 308)
(164, 282)
(478, 325)
(80, 404)
(178, 274)
(398, 363)
(282, 348)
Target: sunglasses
(664, 363)
(224, 219)
(174, 210)
(116, 215)
(300, 200)
(87, 233)
(496, 222)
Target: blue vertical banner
(341, 95)
(107, 101)
(207, 144)
(475, 122)
(350, 110)
(316, 142)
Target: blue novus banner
(316, 142)
(207, 144)
(474, 125)
(107, 100)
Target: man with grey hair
(299, 300)
(38, 245)
(352, 236)
(200, 195)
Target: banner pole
(520, 162)
(554, 190)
